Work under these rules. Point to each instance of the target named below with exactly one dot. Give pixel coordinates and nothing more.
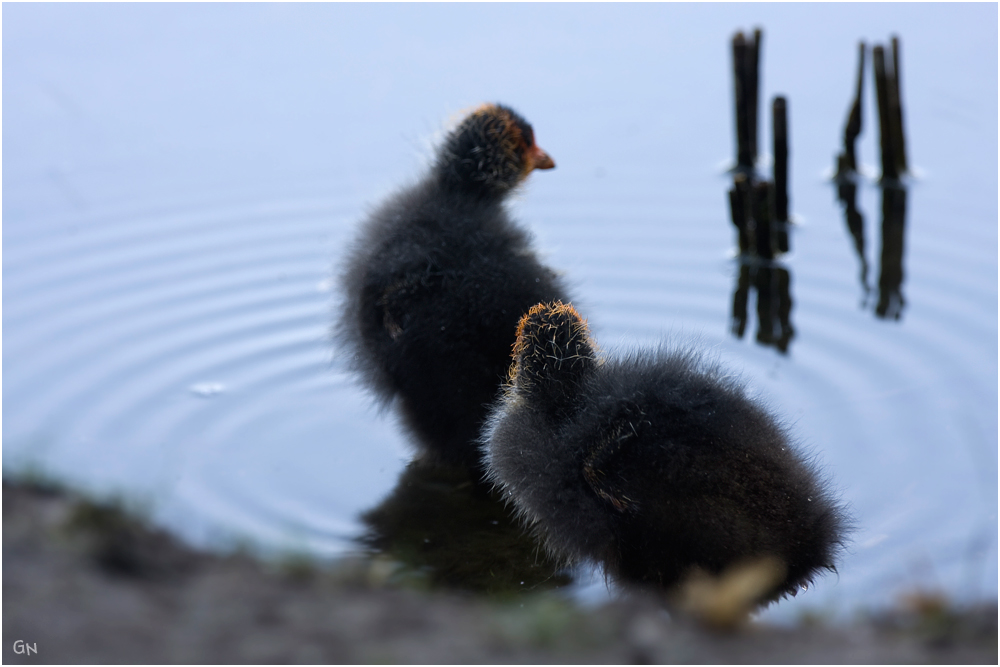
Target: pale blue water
(180, 180)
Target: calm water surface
(180, 181)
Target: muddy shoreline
(87, 583)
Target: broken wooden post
(779, 117)
(853, 127)
(744, 157)
(886, 115)
(753, 80)
(898, 136)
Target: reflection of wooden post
(765, 306)
(783, 283)
(890, 280)
(780, 132)
(739, 322)
(847, 193)
(898, 136)
(774, 305)
(762, 216)
(885, 114)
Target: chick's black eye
(526, 132)
(529, 136)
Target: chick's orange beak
(539, 159)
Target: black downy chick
(657, 464)
(438, 279)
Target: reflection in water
(759, 209)
(890, 297)
(890, 280)
(458, 534)
(847, 193)
(774, 304)
(892, 143)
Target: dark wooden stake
(753, 79)
(779, 230)
(779, 117)
(853, 127)
(842, 165)
(744, 156)
(892, 97)
(898, 137)
(885, 114)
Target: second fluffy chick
(656, 465)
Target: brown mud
(85, 582)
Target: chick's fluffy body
(655, 463)
(435, 285)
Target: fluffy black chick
(438, 278)
(657, 464)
